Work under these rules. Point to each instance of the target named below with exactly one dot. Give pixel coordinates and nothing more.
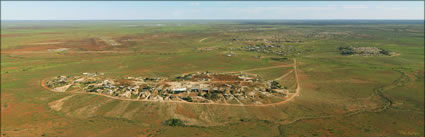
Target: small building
(90, 74)
(195, 88)
(179, 90)
(215, 89)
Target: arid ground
(370, 93)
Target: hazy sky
(103, 10)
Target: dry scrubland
(341, 95)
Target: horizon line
(182, 19)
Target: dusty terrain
(329, 94)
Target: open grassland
(340, 95)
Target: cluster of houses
(58, 81)
(271, 49)
(270, 41)
(109, 41)
(364, 51)
(202, 87)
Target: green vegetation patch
(174, 122)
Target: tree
(174, 122)
(346, 50)
(385, 52)
(212, 96)
(275, 85)
(188, 99)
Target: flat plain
(339, 95)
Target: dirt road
(284, 75)
(280, 66)
(200, 41)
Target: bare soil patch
(30, 49)
(57, 105)
(46, 43)
(58, 50)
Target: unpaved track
(284, 75)
(376, 92)
(280, 66)
(200, 41)
(57, 105)
(68, 51)
(297, 92)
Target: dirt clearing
(57, 105)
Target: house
(195, 88)
(244, 77)
(179, 90)
(215, 89)
(90, 74)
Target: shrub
(346, 50)
(280, 59)
(275, 85)
(212, 96)
(174, 122)
(385, 52)
(188, 99)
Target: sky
(146, 10)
